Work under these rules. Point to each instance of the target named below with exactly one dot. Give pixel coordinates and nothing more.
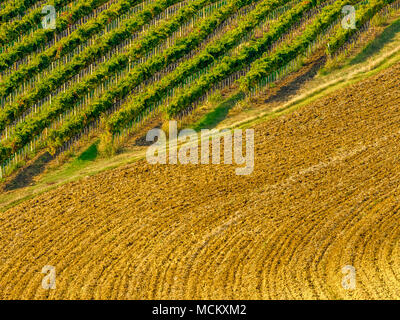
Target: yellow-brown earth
(325, 193)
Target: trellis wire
(184, 28)
(39, 139)
(139, 119)
(365, 29)
(33, 29)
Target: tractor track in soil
(324, 194)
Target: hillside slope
(324, 194)
(110, 66)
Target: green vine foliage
(211, 53)
(31, 43)
(264, 66)
(363, 14)
(11, 112)
(27, 129)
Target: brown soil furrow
(324, 194)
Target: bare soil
(324, 194)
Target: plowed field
(325, 193)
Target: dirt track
(324, 194)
